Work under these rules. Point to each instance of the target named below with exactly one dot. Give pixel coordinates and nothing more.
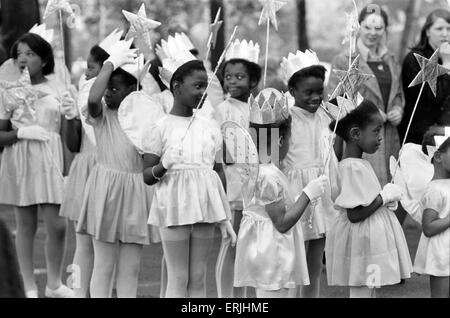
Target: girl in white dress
(31, 170)
(306, 158)
(433, 252)
(366, 247)
(189, 197)
(80, 139)
(241, 75)
(270, 251)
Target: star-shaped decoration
(140, 29)
(56, 5)
(350, 82)
(21, 92)
(214, 30)
(269, 12)
(430, 71)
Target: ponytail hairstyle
(360, 117)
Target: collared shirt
(367, 55)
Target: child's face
(93, 68)
(237, 81)
(116, 92)
(284, 144)
(444, 159)
(308, 93)
(26, 57)
(191, 90)
(370, 136)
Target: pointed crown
(244, 50)
(173, 54)
(296, 62)
(108, 43)
(439, 140)
(43, 32)
(269, 107)
(138, 69)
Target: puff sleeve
(359, 185)
(152, 142)
(433, 199)
(268, 190)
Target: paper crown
(173, 54)
(269, 107)
(108, 43)
(248, 51)
(43, 32)
(183, 40)
(137, 69)
(296, 62)
(439, 140)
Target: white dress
(233, 110)
(373, 251)
(265, 258)
(191, 191)
(305, 162)
(433, 254)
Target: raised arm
(98, 90)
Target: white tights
(126, 259)
(186, 250)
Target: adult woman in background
(432, 110)
(384, 89)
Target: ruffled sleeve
(433, 199)
(152, 142)
(5, 114)
(358, 184)
(268, 190)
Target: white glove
(394, 117)
(121, 56)
(391, 193)
(172, 156)
(316, 188)
(69, 107)
(33, 133)
(393, 206)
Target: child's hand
(33, 133)
(69, 107)
(316, 188)
(227, 230)
(391, 193)
(172, 156)
(394, 117)
(393, 206)
(121, 56)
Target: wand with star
(269, 15)
(214, 31)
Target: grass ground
(149, 280)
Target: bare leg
(201, 241)
(102, 274)
(439, 287)
(55, 244)
(314, 256)
(227, 275)
(26, 225)
(362, 292)
(281, 293)
(175, 243)
(84, 260)
(128, 270)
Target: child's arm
(8, 137)
(153, 169)
(98, 90)
(361, 213)
(432, 224)
(72, 134)
(390, 193)
(283, 219)
(218, 167)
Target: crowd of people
(175, 188)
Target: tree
(18, 16)
(301, 25)
(220, 46)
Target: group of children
(177, 189)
